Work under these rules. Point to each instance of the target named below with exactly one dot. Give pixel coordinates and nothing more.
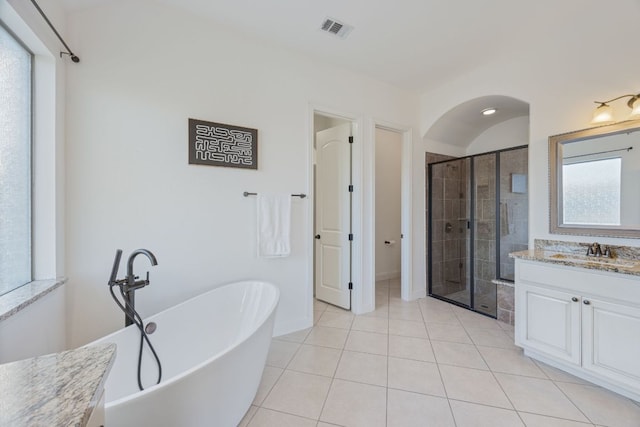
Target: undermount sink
(596, 261)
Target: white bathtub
(213, 349)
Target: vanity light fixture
(604, 111)
(488, 111)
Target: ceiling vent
(335, 27)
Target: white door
(333, 216)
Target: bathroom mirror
(595, 181)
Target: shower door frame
(472, 226)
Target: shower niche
(477, 214)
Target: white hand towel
(274, 225)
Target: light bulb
(603, 114)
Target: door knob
(317, 236)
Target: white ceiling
(414, 44)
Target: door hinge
(350, 188)
(350, 285)
(350, 236)
(350, 140)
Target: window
(591, 192)
(15, 163)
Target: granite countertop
(615, 265)
(60, 389)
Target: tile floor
(420, 363)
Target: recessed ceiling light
(488, 111)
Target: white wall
(559, 70)
(40, 328)
(388, 199)
(146, 68)
(510, 133)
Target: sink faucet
(597, 251)
(131, 283)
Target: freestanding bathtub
(213, 349)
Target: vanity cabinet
(582, 321)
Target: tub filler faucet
(130, 283)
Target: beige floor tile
(337, 309)
(473, 415)
(451, 353)
(269, 377)
(298, 336)
(334, 319)
(538, 396)
(371, 324)
(470, 319)
(327, 337)
(440, 316)
(430, 303)
(510, 362)
(447, 332)
(299, 394)
(405, 313)
(363, 367)
(355, 405)
(315, 360)
(411, 348)
(603, 406)
(319, 305)
(247, 417)
(281, 353)
(317, 314)
(407, 328)
(323, 424)
(415, 376)
(380, 311)
(472, 385)
(491, 338)
(268, 418)
(367, 342)
(535, 420)
(558, 375)
(406, 409)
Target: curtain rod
(599, 152)
(73, 57)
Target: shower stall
(477, 214)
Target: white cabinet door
(611, 340)
(549, 322)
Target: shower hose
(133, 315)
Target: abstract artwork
(217, 144)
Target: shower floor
(484, 303)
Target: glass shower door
(449, 231)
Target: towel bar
(247, 194)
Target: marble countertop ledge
(19, 298)
(60, 389)
(571, 259)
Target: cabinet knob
(586, 302)
(317, 236)
(574, 299)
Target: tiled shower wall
(485, 233)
